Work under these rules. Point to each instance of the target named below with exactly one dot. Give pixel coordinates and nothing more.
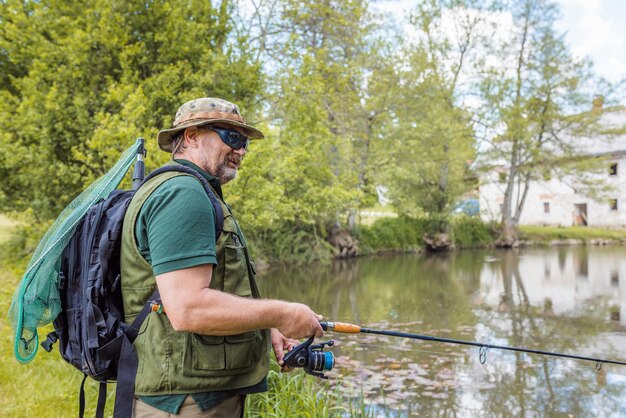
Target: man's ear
(191, 136)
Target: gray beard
(225, 173)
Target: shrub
(402, 233)
(472, 232)
(405, 234)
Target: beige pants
(230, 408)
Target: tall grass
(296, 394)
(583, 233)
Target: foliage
(120, 69)
(536, 105)
(6, 228)
(389, 234)
(348, 103)
(289, 243)
(405, 234)
(471, 232)
(21, 240)
(427, 167)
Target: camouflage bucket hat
(204, 111)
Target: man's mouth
(234, 162)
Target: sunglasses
(232, 138)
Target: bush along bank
(404, 234)
(297, 243)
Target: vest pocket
(208, 355)
(205, 353)
(240, 350)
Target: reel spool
(312, 358)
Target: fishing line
(483, 347)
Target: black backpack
(91, 331)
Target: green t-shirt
(175, 229)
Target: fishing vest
(172, 362)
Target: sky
(593, 28)
(597, 29)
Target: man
(210, 347)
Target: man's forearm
(192, 306)
(218, 313)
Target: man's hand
(299, 321)
(280, 343)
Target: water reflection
(558, 299)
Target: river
(560, 299)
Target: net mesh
(36, 301)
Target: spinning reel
(312, 358)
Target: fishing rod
(356, 329)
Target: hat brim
(165, 136)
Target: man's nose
(241, 151)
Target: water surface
(555, 299)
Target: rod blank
(354, 329)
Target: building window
(613, 204)
(546, 207)
(613, 169)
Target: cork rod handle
(341, 327)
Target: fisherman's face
(217, 158)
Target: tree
(325, 100)
(432, 135)
(536, 103)
(86, 79)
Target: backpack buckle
(50, 340)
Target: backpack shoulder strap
(128, 363)
(217, 206)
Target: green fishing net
(36, 301)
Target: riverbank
(403, 234)
(574, 235)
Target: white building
(556, 201)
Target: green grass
(370, 215)
(296, 394)
(6, 228)
(547, 233)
